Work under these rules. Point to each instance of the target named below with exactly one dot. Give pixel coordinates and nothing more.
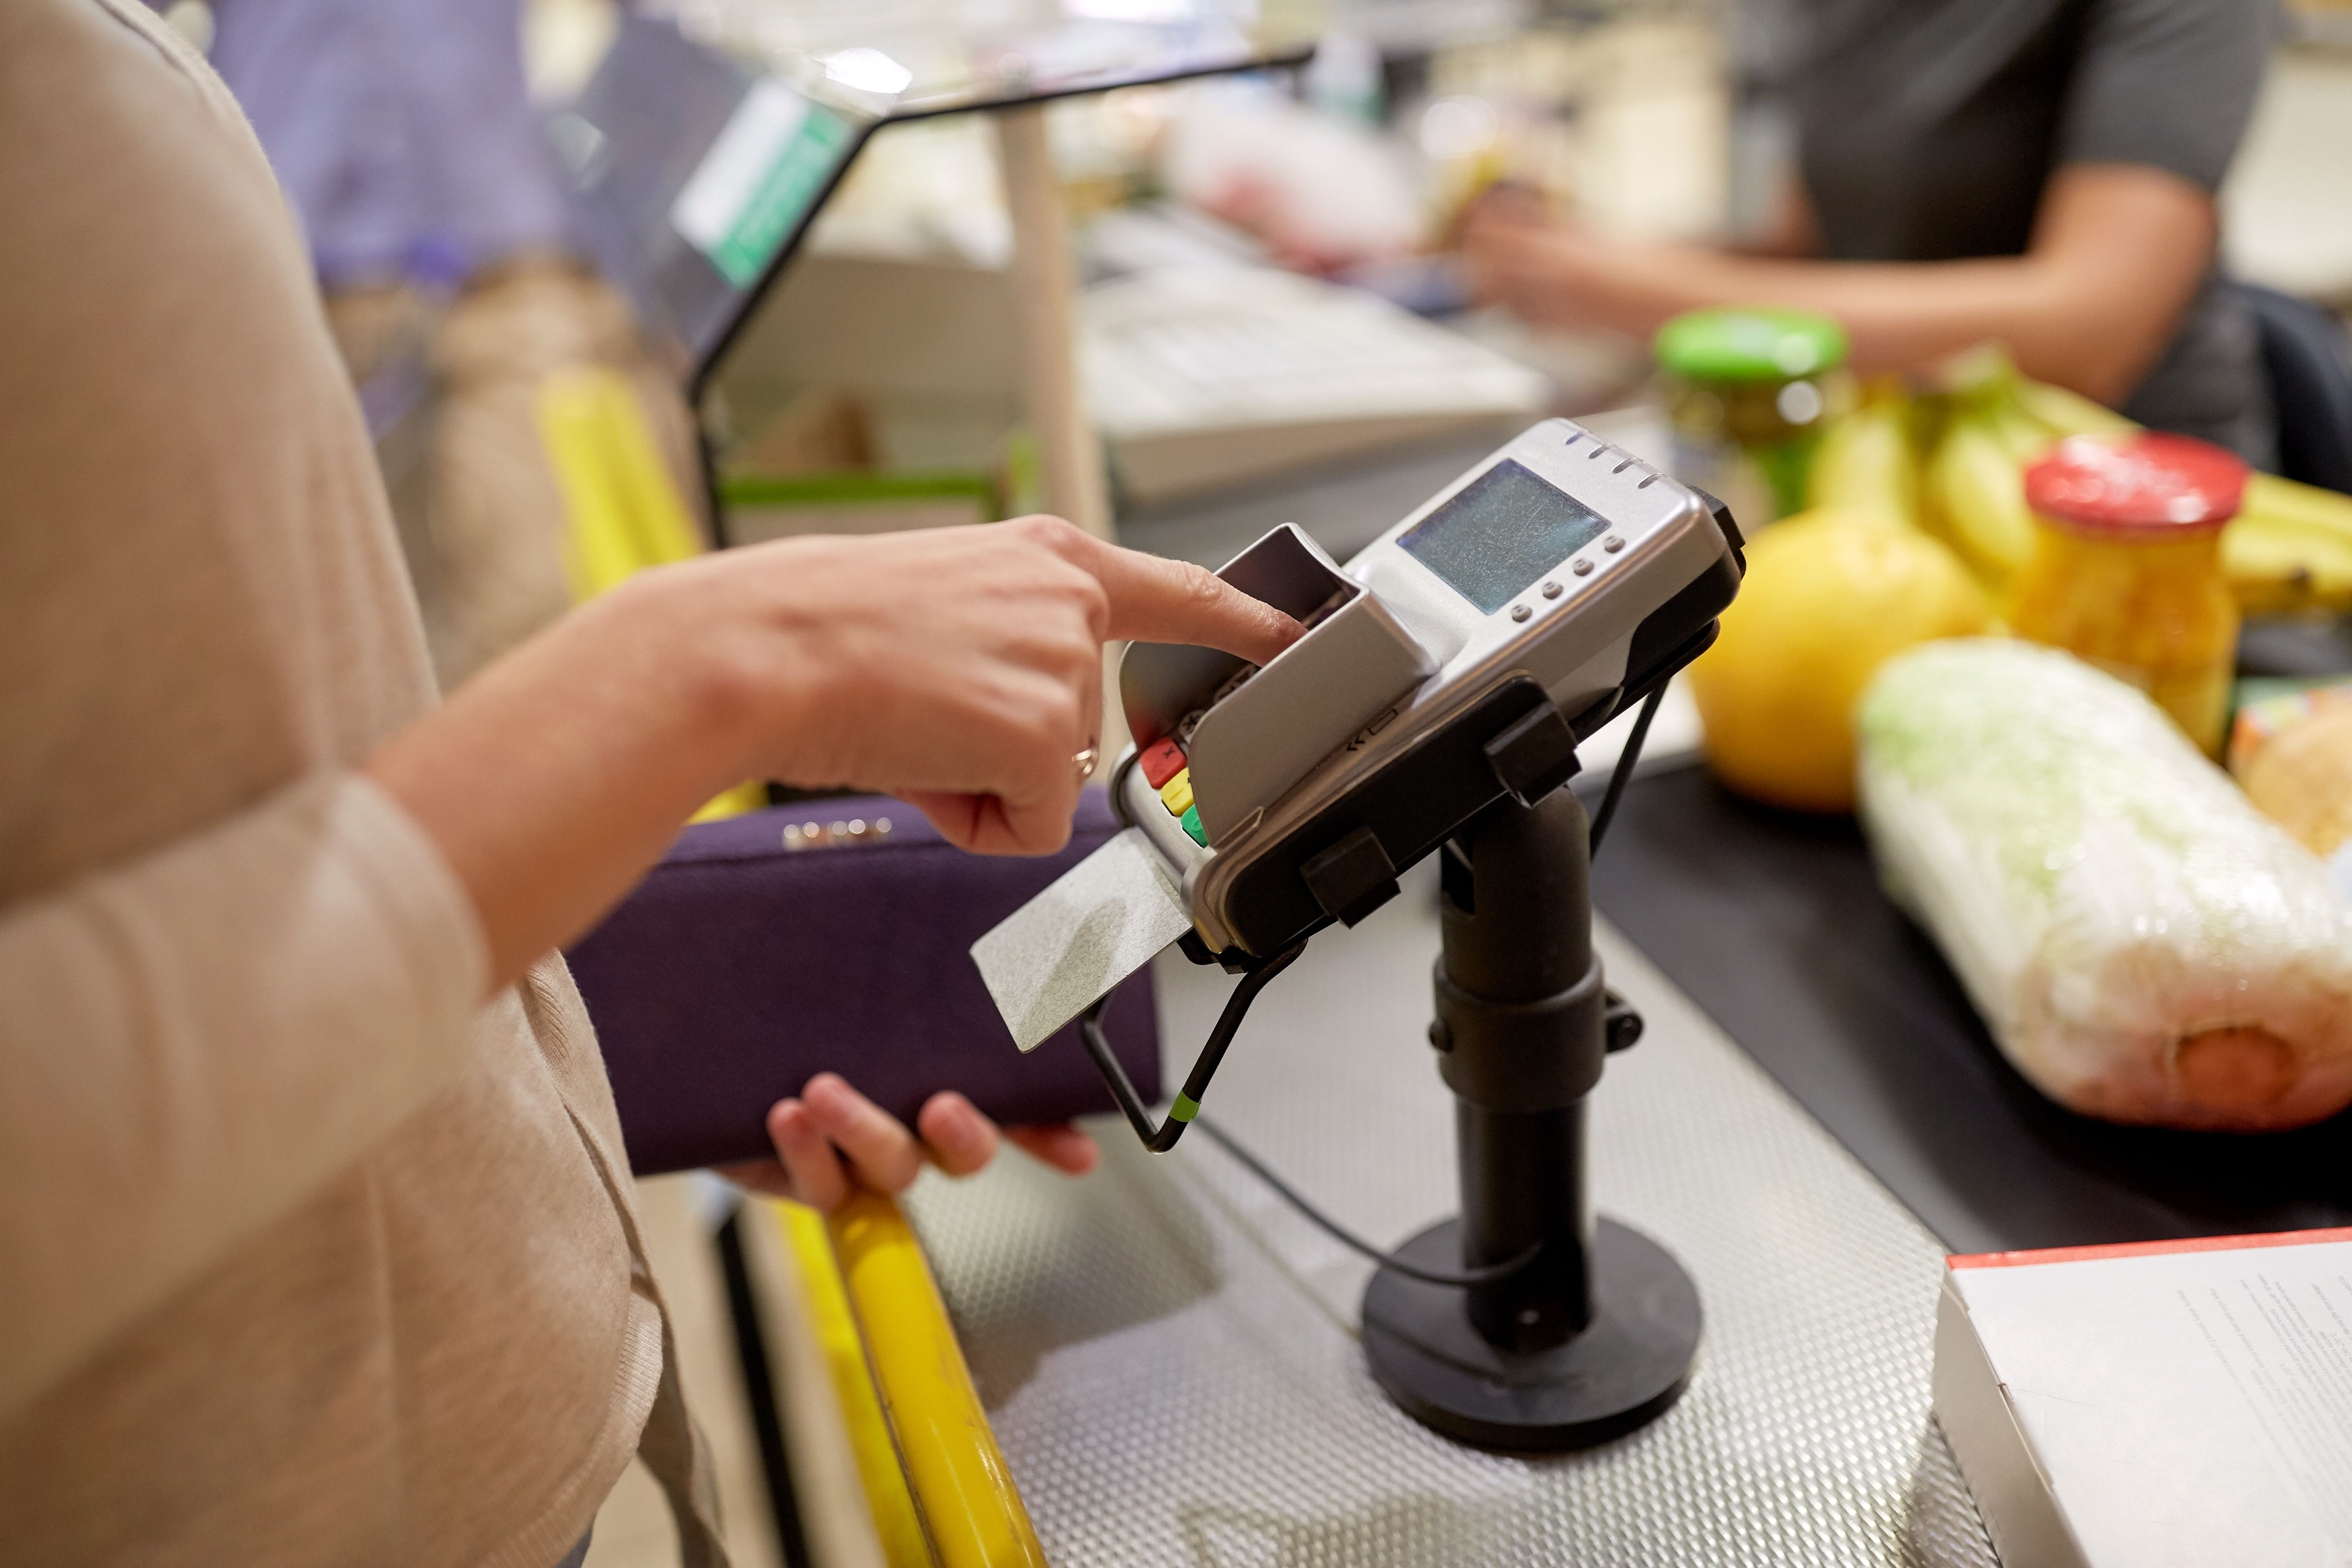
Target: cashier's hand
(1522, 257)
(832, 1139)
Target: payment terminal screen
(1503, 531)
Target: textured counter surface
(1170, 1355)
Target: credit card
(1100, 921)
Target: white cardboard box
(2166, 1404)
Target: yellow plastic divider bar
(965, 1494)
(895, 1522)
(623, 507)
(625, 513)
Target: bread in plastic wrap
(2144, 945)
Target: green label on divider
(782, 199)
(759, 180)
(1186, 1109)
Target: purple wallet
(739, 968)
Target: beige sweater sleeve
(191, 1043)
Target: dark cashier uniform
(1928, 129)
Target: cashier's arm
(2117, 252)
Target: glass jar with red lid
(2127, 568)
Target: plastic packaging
(2144, 945)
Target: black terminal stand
(1594, 1335)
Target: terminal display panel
(1504, 530)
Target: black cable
(1623, 773)
(1186, 1111)
(1162, 1138)
(1489, 1275)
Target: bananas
(1864, 463)
(1952, 462)
(1975, 486)
(2068, 413)
(2289, 550)
(2281, 569)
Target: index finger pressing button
(1157, 600)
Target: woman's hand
(960, 668)
(832, 1139)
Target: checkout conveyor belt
(1169, 1356)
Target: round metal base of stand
(1621, 1373)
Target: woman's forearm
(555, 779)
(2117, 253)
(1895, 314)
(958, 668)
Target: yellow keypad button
(1176, 794)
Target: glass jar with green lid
(1749, 391)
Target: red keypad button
(1161, 760)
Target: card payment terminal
(1461, 658)
(1447, 676)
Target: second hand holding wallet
(740, 968)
